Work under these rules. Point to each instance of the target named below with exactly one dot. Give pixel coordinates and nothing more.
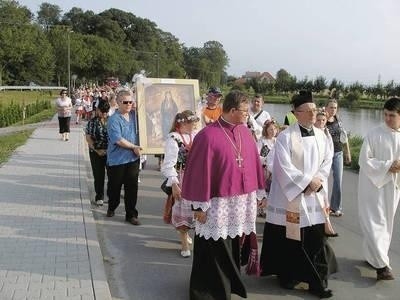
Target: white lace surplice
(227, 216)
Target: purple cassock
(223, 162)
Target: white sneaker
(185, 253)
(99, 202)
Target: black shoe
(384, 274)
(110, 213)
(322, 293)
(133, 221)
(331, 234)
(289, 285)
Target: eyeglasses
(314, 110)
(127, 102)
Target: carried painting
(159, 100)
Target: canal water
(356, 121)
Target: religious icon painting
(158, 101)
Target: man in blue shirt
(123, 160)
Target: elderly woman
(64, 107)
(97, 139)
(177, 147)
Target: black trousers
(127, 175)
(216, 269)
(63, 123)
(98, 164)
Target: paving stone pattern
(48, 242)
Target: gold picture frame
(158, 101)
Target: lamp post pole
(158, 65)
(69, 64)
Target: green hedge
(355, 143)
(13, 113)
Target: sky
(350, 40)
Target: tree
(356, 87)
(352, 98)
(107, 28)
(113, 42)
(191, 62)
(305, 84)
(171, 56)
(25, 54)
(319, 84)
(389, 89)
(79, 20)
(283, 82)
(207, 64)
(214, 53)
(13, 13)
(48, 14)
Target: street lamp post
(1, 76)
(69, 64)
(158, 65)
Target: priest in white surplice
(294, 243)
(378, 188)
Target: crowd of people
(236, 162)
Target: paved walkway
(48, 242)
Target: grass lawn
(8, 143)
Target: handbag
(166, 189)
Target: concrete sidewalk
(48, 243)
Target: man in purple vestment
(223, 180)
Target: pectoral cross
(239, 160)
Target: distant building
(264, 76)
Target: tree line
(34, 48)
(285, 84)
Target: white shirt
(257, 120)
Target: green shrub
(13, 113)
(355, 143)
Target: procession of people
(238, 164)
